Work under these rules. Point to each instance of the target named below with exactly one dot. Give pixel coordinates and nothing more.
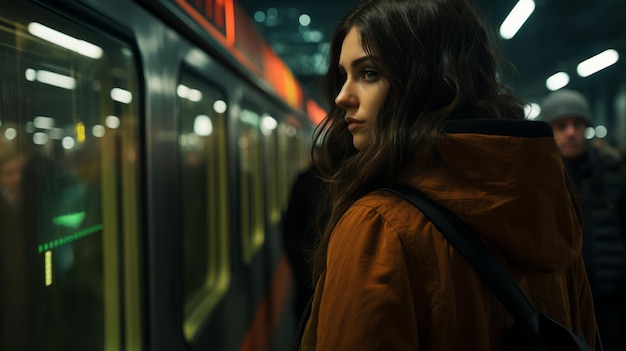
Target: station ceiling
(557, 36)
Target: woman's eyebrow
(358, 61)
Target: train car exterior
(146, 154)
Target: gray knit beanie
(565, 103)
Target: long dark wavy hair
(440, 61)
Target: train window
(285, 132)
(251, 176)
(203, 168)
(68, 169)
(298, 151)
(269, 129)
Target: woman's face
(363, 91)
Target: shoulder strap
(491, 272)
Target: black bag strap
(490, 270)
(473, 249)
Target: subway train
(146, 153)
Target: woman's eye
(369, 74)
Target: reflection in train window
(298, 152)
(251, 176)
(203, 184)
(282, 176)
(68, 214)
(270, 131)
(293, 149)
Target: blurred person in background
(600, 178)
(300, 232)
(11, 178)
(18, 295)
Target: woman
(416, 101)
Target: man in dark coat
(600, 178)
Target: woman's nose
(345, 97)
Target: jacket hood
(505, 179)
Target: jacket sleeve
(367, 301)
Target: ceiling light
(597, 63)
(557, 81)
(61, 39)
(514, 21)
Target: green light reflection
(69, 238)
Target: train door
(69, 154)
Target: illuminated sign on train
(228, 23)
(215, 16)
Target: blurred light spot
(40, 138)
(597, 63)
(61, 39)
(112, 122)
(30, 74)
(532, 110)
(219, 106)
(601, 131)
(42, 122)
(557, 81)
(10, 133)
(48, 268)
(98, 131)
(304, 20)
(68, 143)
(55, 79)
(202, 125)
(80, 132)
(516, 18)
(268, 124)
(259, 16)
(121, 95)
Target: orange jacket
(393, 282)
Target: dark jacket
(300, 225)
(601, 181)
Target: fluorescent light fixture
(61, 39)
(43, 122)
(557, 81)
(55, 79)
(50, 78)
(121, 95)
(514, 21)
(597, 63)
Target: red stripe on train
(268, 314)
